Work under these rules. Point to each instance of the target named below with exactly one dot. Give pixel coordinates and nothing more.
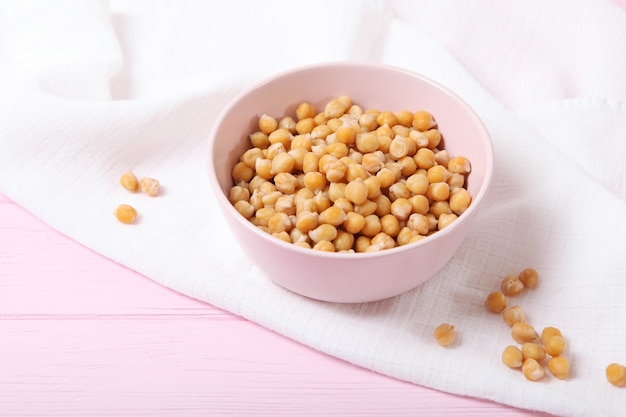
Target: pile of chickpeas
(345, 179)
(533, 351)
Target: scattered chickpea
(523, 332)
(533, 350)
(129, 181)
(126, 213)
(150, 186)
(548, 332)
(511, 285)
(533, 370)
(512, 357)
(513, 314)
(616, 374)
(555, 345)
(529, 277)
(559, 367)
(445, 334)
(496, 302)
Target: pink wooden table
(83, 336)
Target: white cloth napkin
(89, 90)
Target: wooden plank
(81, 335)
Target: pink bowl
(349, 277)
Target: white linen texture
(90, 89)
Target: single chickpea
(305, 126)
(559, 367)
(267, 124)
(529, 277)
(383, 205)
(315, 181)
(356, 191)
(362, 243)
(548, 332)
(126, 214)
(399, 190)
(423, 120)
(399, 147)
(382, 241)
(282, 162)
(445, 334)
(386, 118)
(445, 220)
(438, 208)
(250, 156)
(337, 191)
(259, 140)
(533, 350)
(425, 158)
(420, 204)
(533, 370)
(460, 200)
(244, 208)
(459, 165)
(372, 226)
(282, 136)
(405, 236)
(373, 162)
(346, 135)
(354, 222)
(512, 357)
(323, 232)
(438, 191)
(288, 123)
(437, 173)
(333, 215)
(434, 139)
(511, 285)
(555, 345)
(401, 208)
(366, 208)
(307, 221)
(407, 166)
(523, 332)
(386, 176)
(305, 110)
(354, 171)
(367, 142)
(390, 225)
(404, 118)
(344, 240)
(419, 223)
(240, 173)
(129, 181)
(285, 182)
(616, 374)
(496, 302)
(417, 183)
(279, 222)
(513, 314)
(334, 109)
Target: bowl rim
(440, 234)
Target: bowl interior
(370, 86)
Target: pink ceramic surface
(349, 277)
